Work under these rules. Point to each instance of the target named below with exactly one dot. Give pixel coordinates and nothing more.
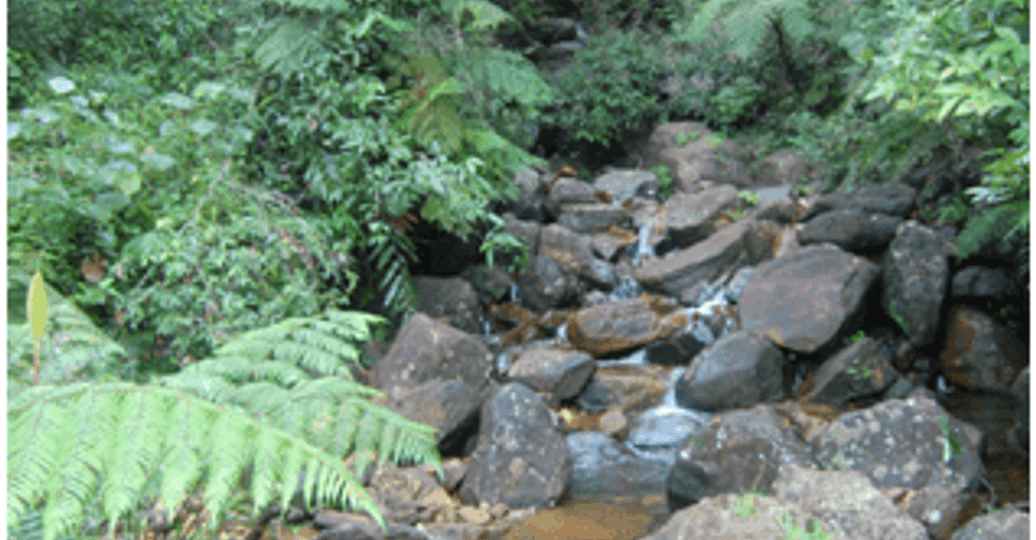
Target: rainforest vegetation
(221, 197)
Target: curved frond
(486, 15)
(285, 50)
(747, 24)
(66, 439)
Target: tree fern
(63, 441)
(748, 22)
(486, 15)
(279, 398)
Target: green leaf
(36, 306)
(61, 85)
(177, 100)
(106, 204)
(203, 126)
(161, 162)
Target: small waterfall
(503, 363)
(660, 431)
(486, 331)
(562, 334)
(515, 296)
(669, 399)
(642, 244)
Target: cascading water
(643, 248)
(658, 432)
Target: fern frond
(696, 31)
(263, 365)
(1001, 222)
(66, 439)
(748, 23)
(284, 51)
(486, 15)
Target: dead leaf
(93, 270)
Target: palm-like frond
(278, 399)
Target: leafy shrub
(87, 174)
(956, 65)
(369, 154)
(46, 38)
(665, 181)
(608, 90)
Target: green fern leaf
(486, 15)
(70, 443)
(999, 222)
(285, 50)
(747, 24)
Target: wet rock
(569, 191)
(706, 261)
(736, 287)
(982, 282)
(546, 284)
(892, 199)
(801, 302)
(1005, 526)
(782, 168)
(937, 508)
(451, 300)
(846, 500)
(1018, 437)
(426, 349)
(346, 526)
(902, 443)
(979, 353)
(666, 429)
(521, 458)
(450, 406)
(738, 370)
(689, 218)
(491, 284)
(532, 195)
(608, 245)
(993, 413)
(616, 327)
(600, 274)
(851, 230)
(561, 372)
(744, 450)
(627, 391)
(592, 218)
(571, 250)
(915, 272)
(858, 371)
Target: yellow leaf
(36, 305)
